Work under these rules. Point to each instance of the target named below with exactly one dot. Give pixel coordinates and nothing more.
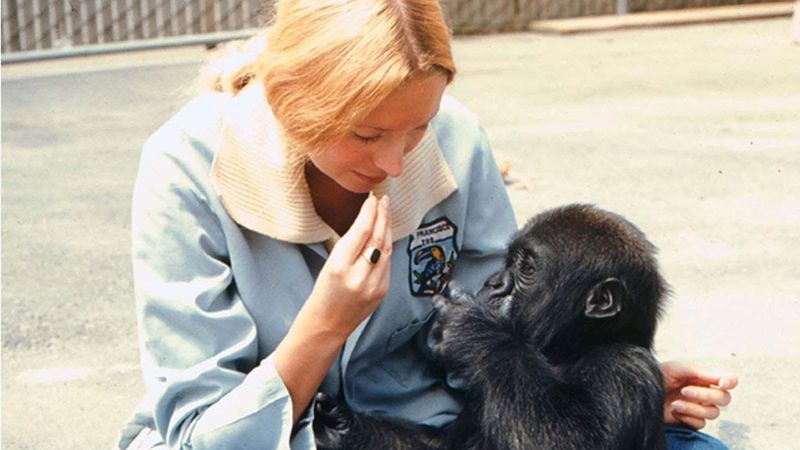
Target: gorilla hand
(463, 326)
(332, 422)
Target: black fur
(554, 350)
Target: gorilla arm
(517, 400)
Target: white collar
(263, 190)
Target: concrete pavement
(693, 133)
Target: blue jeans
(680, 438)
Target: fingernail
(679, 407)
(689, 393)
(721, 373)
(385, 200)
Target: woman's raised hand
(348, 288)
(350, 285)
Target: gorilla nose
(500, 284)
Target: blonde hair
(326, 64)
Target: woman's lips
(369, 179)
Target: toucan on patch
(432, 255)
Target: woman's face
(374, 149)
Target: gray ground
(693, 133)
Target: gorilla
(553, 352)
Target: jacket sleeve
(198, 342)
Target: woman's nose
(390, 158)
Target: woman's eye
(367, 139)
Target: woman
(289, 232)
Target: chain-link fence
(45, 24)
(51, 24)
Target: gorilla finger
(440, 353)
(435, 334)
(452, 288)
(441, 336)
(325, 402)
(436, 350)
(459, 295)
(445, 310)
(331, 413)
(439, 302)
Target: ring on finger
(372, 255)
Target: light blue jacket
(214, 298)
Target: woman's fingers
(691, 422)
(714, 377)
(382, 221)
(377, 267)
(351, 245)
(378, 245)
(694, 394)
(678, 373)
(705, 412)
(383, 228)
(355, 278)
(387, 237)
(707, 395)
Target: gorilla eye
(525, 266)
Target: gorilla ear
(605, 299)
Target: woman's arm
(347, 290)
(199, 344)
(206, 386)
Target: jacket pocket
(404, 357)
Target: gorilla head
(577, 277)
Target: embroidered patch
(432, 254)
